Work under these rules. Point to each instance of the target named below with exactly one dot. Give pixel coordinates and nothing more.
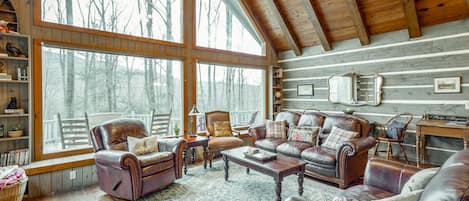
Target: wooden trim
(285, 27)
(467, 2)
(94, 48)
(318, 27)
(240, 54)
(411, 17)
(38, 22)
(229, 58)
(359, 23)
(33, 169)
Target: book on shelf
(14, 111)
(15, 157)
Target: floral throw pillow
(276, 129)
(303, 134)
(337, 137)
(141, 146)
(222, 129)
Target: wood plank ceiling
(295, 24)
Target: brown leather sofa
(125, 175)
(385, 178)
(341, 166)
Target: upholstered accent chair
(217, 144)
(128, 176)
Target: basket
(14, 192)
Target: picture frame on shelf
(447, 85)
(305, 90)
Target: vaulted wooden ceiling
(294, 24)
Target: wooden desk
(438, 128)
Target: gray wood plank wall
(408, 67)
(59, 181)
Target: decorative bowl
(15, 133)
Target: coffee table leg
(184, 160)
(301, 176)
(193, 155)
(247, 170)
(278, 189)
(205, 156)
(226, 167)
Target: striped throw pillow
(275, 129)
(337, 137)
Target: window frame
(37, 93)
(37, 20)
(222, 51)
(197, 61)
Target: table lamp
(192, 113)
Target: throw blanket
(11, 175)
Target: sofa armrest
(122, 160)
(257, 131)
(388, 175)
(357, 145)
(177, 146)
(352, 157)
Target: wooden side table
(438, 128)
(193, 142)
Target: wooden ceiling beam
(257, 25)
(411, 18)
(312, 13)
(358, 22)
(285, 27)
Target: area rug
(209, 185)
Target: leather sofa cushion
(293, 148)
(324, 171)
(320, 156)
(365, 192)
(313, 119)
(269, 144)
(155, 168)
(222, 143)
(343, 122)
(292, 118)
(450, 183)
(154, 158)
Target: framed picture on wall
(447, 85)
(305, 90)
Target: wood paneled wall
(408, 68)
(48, 184)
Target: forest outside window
(105, 86)
(239, 90)
(155, 19)
(222, 24)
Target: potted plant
(15, 131)
(176, 129)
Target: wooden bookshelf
(277, 90)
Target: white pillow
(411, 196)
(141, 146)
(419, 180)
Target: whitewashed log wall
(408, 67)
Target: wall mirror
(356, 89)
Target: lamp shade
(194, 111)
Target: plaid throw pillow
(222, 129)
(275, 129)
(303, 134)
(337, 137)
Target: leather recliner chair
(125, 175)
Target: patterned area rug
(209, 185)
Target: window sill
(51, 165)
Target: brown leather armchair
(217, 144)
(125, 175)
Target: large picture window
(104, 86)
(222, 24)
(154, 19)
(241, 91)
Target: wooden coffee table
(278, 168)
